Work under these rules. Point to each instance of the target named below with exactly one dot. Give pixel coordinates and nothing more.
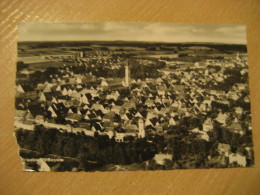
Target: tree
(168, 164)
(70, 148)
(21, 65)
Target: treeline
(41, 76)
(187, 149)
(137, 70)
(225, 135)
(233, 76)
(99, 149)
(140, 71)
(187, 152)
(105, 72)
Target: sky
(111, 31)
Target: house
(52, 111)
(172, 122)
(97, 126)
(161, 158)
(207, 125)
(64, 91)
(237, 158)
(200, 134)
(240, 86)
(73, 117)
(39, 119)
(57, 110)
(20, 115)
(93, 116)
(116, 109)
(246, 99)
(109, 117)
(78, 80)
(239, 110)
(236, 128)
(149, 103)
(130, 126)
(221, 118)
(166, 101)
(158, 127)
(180, 88)
(49, 96)
(63, 99)
(34, 111)
(43, 166)
(175, 105)
(26, 125)
(138, 114)
(58, 88)
(47, 87)
(26, 91)
(42, 97)
(224, 149)
(24, 120)
(98, 107)
(111, 133)
(71, 102)
(23, 88)
(119, 137)
(125, 117)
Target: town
(187, 104)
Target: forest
(188, 151)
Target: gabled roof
(129, 104)
(74, 116)
(49, 95)
(149, 102)
(20, 113)
(154, 120)
(97, 126)
(92, 115)
(27, 88)
(109, 116)
(116, 108)
(131, 127)
(224, 147)
(59, 108)
(97, 107)
(99, 113)
(35, 110)
(179, 87)
(84, 125)
(63, 97)
(235, 126)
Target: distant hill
(53, 44)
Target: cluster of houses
(123, 108)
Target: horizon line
(192, 42)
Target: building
(141, 133)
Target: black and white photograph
(121, 96)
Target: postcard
(132, 96)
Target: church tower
(141, 133)
(127, 75)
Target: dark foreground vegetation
(93, 153)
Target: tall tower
(141, 132)
(127, 75)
